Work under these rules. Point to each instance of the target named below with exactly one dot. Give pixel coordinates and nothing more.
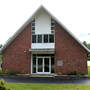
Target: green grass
(28, 86)
(0, 57)
(89, 71)
(88, 57)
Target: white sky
(74, 14)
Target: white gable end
(30, 19)
(42, 27)
(42, 22)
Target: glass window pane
(39, 38)
(33, 21)
(52, 28)
(33, 38)
(33, 32)
(46, 64)
(51, 38)
(52, 65)
(52, 24)
(52, 31)
(33, 24)
(40, 64)
(33, 28)
(34, 64)
(45, 38)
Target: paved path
(50, 80)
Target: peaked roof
(29, 20)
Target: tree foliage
(3, 85)
(89, 45)
(86, 44)
(1, 45)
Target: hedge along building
(44, 46)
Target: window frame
(33, 26)
(42, 36)
(35, 38)
(52, 26)
(38, 38)
(53, 38)
(47, 38)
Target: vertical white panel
(42, 23)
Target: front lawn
(28, 86)
(89, 71)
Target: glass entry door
(43, 65)
(46, 64)
(40, 64)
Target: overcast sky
(74, 14)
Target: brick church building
(43, 45)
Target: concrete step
(42, 75)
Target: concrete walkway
(50, 80)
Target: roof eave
(29, 20)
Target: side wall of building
(72, 55)
(16, 56)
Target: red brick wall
(68, 50)
(14, 57)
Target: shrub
(10, 72)
(73, 73)
(76, 73)
(1, 72)
(3, 85)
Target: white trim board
(29, 20)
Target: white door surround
(43, 65)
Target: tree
(85, 43)
(88, 45)
(1, 45)
(0, 54)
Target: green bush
(3, 85)
(1, 72)
(10, 72)
(88, 57)
(72, 73)
(76, 73)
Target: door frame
(43, 61)
(43, 58)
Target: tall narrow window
(51, 38)
(46, 38)
(52, 26)
(34, 64)
(33, 38)
(33, 26)
(52, 64)
(39, 39)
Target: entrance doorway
(42, 64)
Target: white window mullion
(48, 38)
(36, 65)
(50, 64)
(42, 38)
(43, 65)
(36, 38)
(31, 64)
